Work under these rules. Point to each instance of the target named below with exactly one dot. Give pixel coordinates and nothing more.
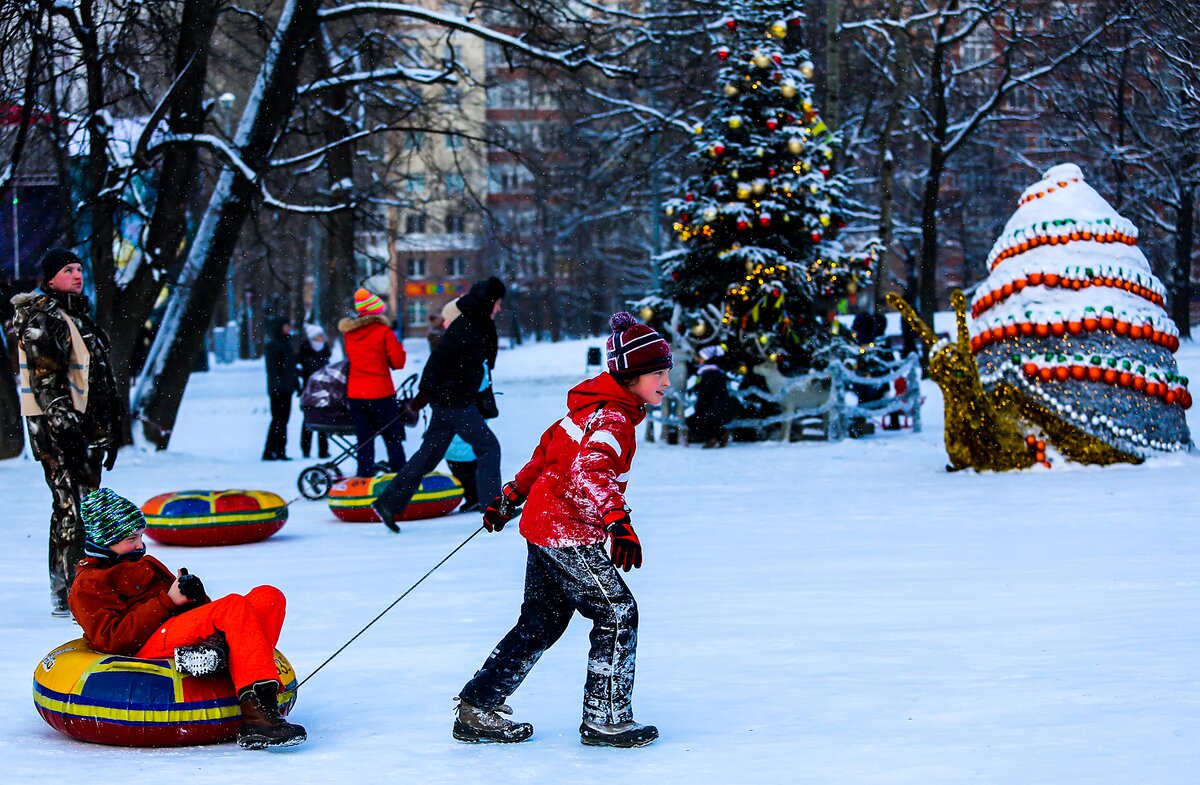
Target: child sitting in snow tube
(129, 603)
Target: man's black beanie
(54, 260)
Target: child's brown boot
(262, 725)
(476, 725)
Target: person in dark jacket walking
(374, 352)
(69, 399)
(459, 369)
(282, 384)
(313, 355)
(714, 405)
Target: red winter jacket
(373, 351)
(580, 468)
(120, 606)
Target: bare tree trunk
(887, 161)
(833, 63)
(1181, 276)
(202, 280)
(177, 180)
(933, 178)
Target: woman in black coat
(456, 383)
(282, 384)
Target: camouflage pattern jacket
(42, 332)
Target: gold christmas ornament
(735, 122)
(807, 106)
(759, 187)
(698, 128)
(761, 60)
(825, 220)
(647, 313)
(806, 69)
(669, 211)
(760, 152)
(788, 89)
(699, 329)
(731, 90)
(779, 28)
(710, 214)
(795, 145)
(743, 191)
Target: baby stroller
(327, 411)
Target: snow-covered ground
(811, 613)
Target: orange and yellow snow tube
(350, 500)
(214, 517)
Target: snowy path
(818, 613)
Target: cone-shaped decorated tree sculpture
(1072, 320)
(760, 266)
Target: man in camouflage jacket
(70, 402)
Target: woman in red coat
(373, 352)
(574, 493)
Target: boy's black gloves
(626, 547)
(190, 586)
(503, 508)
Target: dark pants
(372, 415)
(281, 412)
(464, 472)
(306, 443)
(558, 582)
(444, 422)
(69, 481)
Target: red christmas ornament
(731, 24)
(791, 118)
(689, 197)
(685, 218)
(816, 237)
(742, 224)
(772, 124)
(794, 21)
(764, 219)
(723, 53)
(771, 172)
(774, 292)
(778, 59)
(825, 171)
(674, 275)
(718, 149)
(841, 224)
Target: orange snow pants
(251, 624)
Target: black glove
(190, 586)
(626, 547)
(110, 457)
(503, 508)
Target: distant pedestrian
(70, 401)
(456, 383)
(282, 383)
(373, 352)
(714, 405)
(313, 355)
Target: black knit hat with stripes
(634, 348)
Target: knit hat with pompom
(634, 348)
(366, 303)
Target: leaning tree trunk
(337, 269)
(201, 282)
(177, 180)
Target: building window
(414, 223)
(414, 183)
(979, 46)
(456, 267)
(416, 268)
(1024, 99)
(415, 140)
(456, 223)
(455, 183)
(418, 312)
(454, 142)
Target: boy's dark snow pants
(558, 582)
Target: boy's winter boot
(475, 725)
(618, 734)
(262, 725)
(205, 657)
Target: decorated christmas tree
(760, 268)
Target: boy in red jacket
(130, 603)
(573, 490)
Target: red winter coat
(120, 607)
(580, 468)
(373, 351)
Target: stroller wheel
(314, 482)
